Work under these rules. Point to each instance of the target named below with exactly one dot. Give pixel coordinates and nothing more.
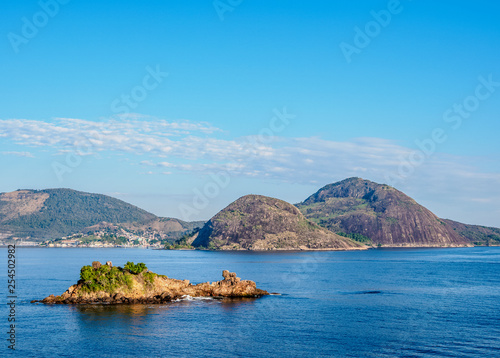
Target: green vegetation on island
(108, 278)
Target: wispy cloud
(148, 136)
(19, 154)
(191, 146)
(152, 137)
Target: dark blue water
(378, 303)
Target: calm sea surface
(378, 303)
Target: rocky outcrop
(255, 222)
(146, 287)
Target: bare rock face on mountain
(378, 214)
(255, 222)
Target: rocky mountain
(478, 235)
(52, 213)
(255, 222)
(378, 214)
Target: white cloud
(19, 154)
(191, 146)
(155, 137)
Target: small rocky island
(134, 284)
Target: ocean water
(377, 303)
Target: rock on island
(134, 283)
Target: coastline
(244, 250)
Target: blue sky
(148, 101)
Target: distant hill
(478, 235)
(378, 214)
(168, 228)
(52, 213)
(256, 222)
(361, 210)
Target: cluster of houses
(97, 239)
(115, 237)
(101, 239)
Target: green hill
(52, 213)
(478, 235)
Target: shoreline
(275, 250)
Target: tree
(135, 269)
